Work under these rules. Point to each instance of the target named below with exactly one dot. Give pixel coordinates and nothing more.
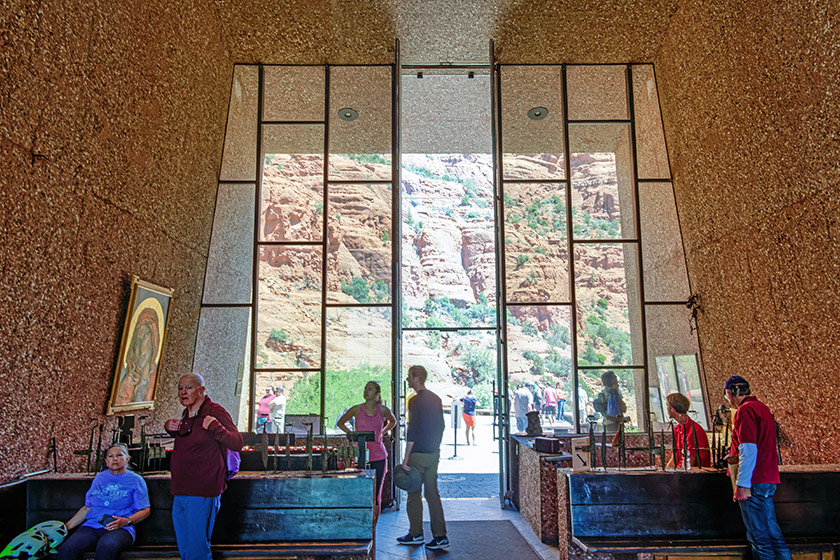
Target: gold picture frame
(144, 333)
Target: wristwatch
(130, 522)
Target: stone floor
(469, 486)
(394, 523)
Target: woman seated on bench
(117, 499)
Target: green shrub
(529, 329)
(344, 388)
(279, 336)
(357, 288)
(368, 158)
(537, 364)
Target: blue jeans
(763, 533)
(561, 412)
(107, 544)
(193, 518)
(521, 423)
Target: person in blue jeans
(202, 435)
(757, 476)
(561, 402)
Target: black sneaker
(438, 543)
(410, 540)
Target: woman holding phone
(116, 501)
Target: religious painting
(136, 375)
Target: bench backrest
(254, 510)
(694, 505)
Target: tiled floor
(394, 523)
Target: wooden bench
(350, 550)
(261, 516)
(692, 514)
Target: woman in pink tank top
(372, 416)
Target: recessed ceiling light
(537, 113)
(348, 114)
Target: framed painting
(141, 348)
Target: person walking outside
(278, 411)
(422, 452)
(550, 403)
(469, 415)
(754, 447)
(523, 403)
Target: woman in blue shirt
(116, 501)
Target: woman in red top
(372, 416)
(688, 434)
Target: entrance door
(448, 258)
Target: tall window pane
(292, 194)
(540, 350)
(289, 307)
(360, 243)
(360, 126)
(536, 243)
(609, 309)
(230, 261)
(239, 159)
(651, 152)
(358, 351)
(603, 183)
(532, 122)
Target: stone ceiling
(434, 31)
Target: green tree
(344, 387)
(537, 364)
(478, 360)
(357, 288)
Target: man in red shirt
(688, 434)
(202, 435)
(754, 443)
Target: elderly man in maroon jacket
(202, 435)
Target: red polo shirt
(687, 432)
(753, 423)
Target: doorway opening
(449, 266)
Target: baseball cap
(407, 480)
(736, 381)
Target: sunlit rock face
(449, 259)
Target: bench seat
(718, 547)
(321, 549)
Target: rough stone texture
(112, 115)
(749, 102)
(529, 496)
(111, 120)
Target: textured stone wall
(112, 116)
(749, 99)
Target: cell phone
(105, 520)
